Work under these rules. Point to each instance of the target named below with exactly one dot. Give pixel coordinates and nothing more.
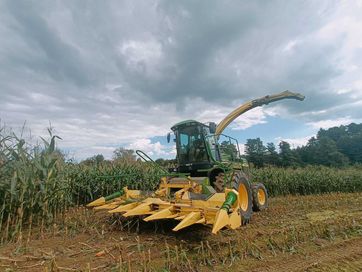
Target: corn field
(37, 186)
(30, 189)
(309, 180)
(89, 182)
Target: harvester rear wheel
(260, 197)
(242, 186)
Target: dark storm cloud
(231, 51)
(98, 66)
(246, 34)
(60, 61)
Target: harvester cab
(198, 148)
(210, 184)
(190, 146)
(202, 153)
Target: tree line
(336, 146)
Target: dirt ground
(296, 233)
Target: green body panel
(114, 195)
(208, 190)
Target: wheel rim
(244, 197)
(261, 196)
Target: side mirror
(168, 137)
(212, 127)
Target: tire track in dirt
(344, 256)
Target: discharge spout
(253, 104)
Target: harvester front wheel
(242, 186)
(260, 197)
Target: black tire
(242, 186)
(260, 197)
(219, 179)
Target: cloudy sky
(121, 73)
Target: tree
(322, 151)
(329, 154)
(255, 151)
(336, 146)
(334, 133)
(288, 157)
(272, 156)
(166, 162)
(348, 140)
(160, 161)
(99, 158)
(96, 159)
(122, 153)
(351, 146)
(229, 150)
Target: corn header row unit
(210, 184)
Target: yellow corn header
(187, 206)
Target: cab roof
(186, 122)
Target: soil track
(296, 233)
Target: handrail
(147, 158)
(217, 138)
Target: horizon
(36, 140)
